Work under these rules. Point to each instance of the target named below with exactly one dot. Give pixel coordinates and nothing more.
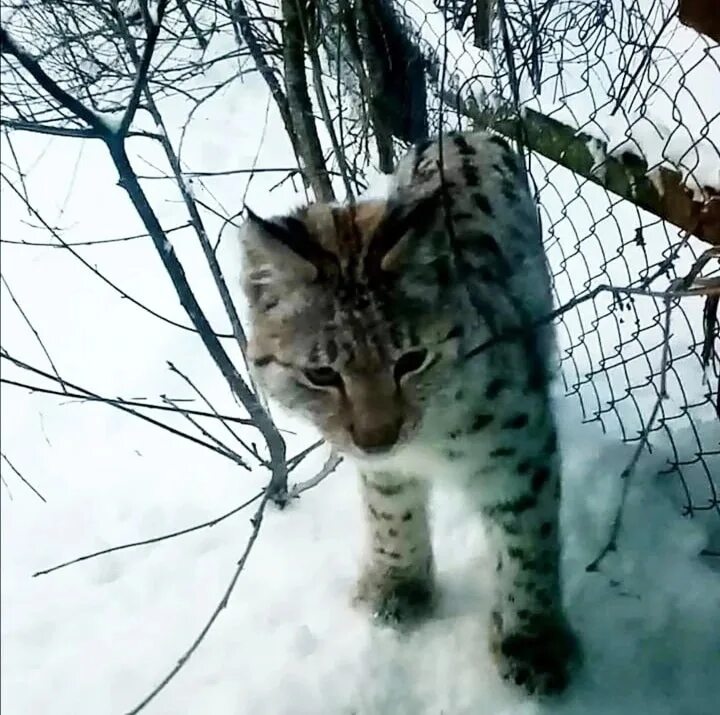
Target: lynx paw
(539, 659)
(396, 601)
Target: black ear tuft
(292, 233)
(279, 229)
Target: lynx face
(343, 329)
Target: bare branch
(297, 458)
(9, 46)
(244, 24)
(202, 42)
(174, 268)
(518, 333)
(153, 30)
(20, 172)
(76, 133)
(32, 329)
(229, 453)
(7, 487)
(224, 421)
(256, 522)
(153, 540)
(95, 242)
(309, 24)
(87, 395)
(56, 235)
(22, 478)
(234, 172)
(129, 181)
(128, 403)
(679, 287)
(331, 464)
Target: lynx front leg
(397, 579)
(530, 638)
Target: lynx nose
(376, 439)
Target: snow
(289, 641)
(112, 122)
(598, 156)
(153, 12)
(655, 177)
(97, 636)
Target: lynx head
(349, 323)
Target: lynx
(410, 331)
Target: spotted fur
(363, 317)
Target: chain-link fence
(611, 101)
(630, 75)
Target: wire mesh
(628, 73)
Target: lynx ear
(285, 244)
(389, 243)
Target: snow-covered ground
(96, 637)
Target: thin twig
(297, 458)
(72, 132)
(7, 487)
(230, 453)
(94, 242)
(197, 223)
(119, 405)
(187, 297)
(331, 464)
(30, 65)
(141, 75)
(628, 472)
(22, 478)
(202, 42)
(299, 103)
(90, 397)
(620, 102)
(100, 275)
(32, 329)
(245, 28)
(201, 395)
(20, 172)
(233, 172)
(518, 333)
(311, 44)
(153, 540)
(256, 522)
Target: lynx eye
(410, 362)
(323, 376)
